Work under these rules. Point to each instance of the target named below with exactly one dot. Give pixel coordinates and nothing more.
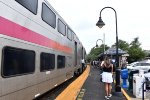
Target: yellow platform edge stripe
(72, 91)
(124, 93)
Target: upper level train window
(48, 15)
(17, 61)
(60, 61)
(69, 34)
(47, 61)
(73, 35)
(61, 27)
(31, 5)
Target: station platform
(93, 89)
(88, 87)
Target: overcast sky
(82, 15)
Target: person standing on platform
(83, 64)
(107, 76)
(101, 62)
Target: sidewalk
(93, 89)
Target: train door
(82, 53)
(75, 54)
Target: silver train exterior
(38, 49)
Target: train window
(61, 27)
(60, 61)
(73, 35)
(31, 5)
(69, 34)
(17, 61)
(48, 15)
(47, 61)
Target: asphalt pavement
(93, 89)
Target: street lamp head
(96, 45)
(100, 23)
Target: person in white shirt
(83, 64)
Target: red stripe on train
(12, 29)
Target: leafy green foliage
(122, 45)
(95, 51)
(133, 49)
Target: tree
(135, 51)
(95, 51)
(122, 45)
(135, 43)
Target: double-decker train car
(38, 49)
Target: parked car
(144, 65)
(131, 66)
(147, 80)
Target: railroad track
(52, 94)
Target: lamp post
(103, 45)
(100, 24)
